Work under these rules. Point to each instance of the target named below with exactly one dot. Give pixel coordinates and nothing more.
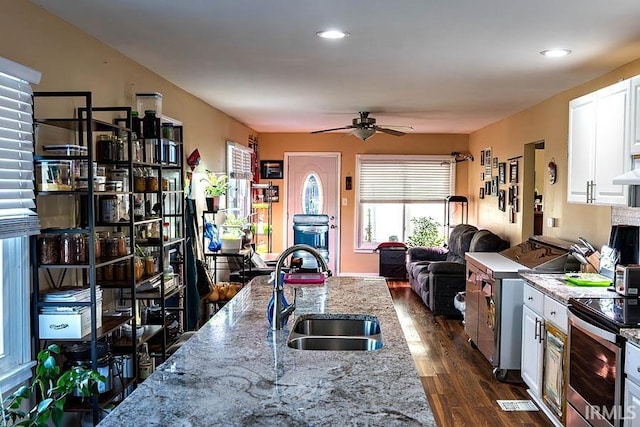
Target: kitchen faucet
(280, 312)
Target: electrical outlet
(551, 222)
(344, 201)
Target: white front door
(318, 175)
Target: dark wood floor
(457, 379)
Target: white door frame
(334, 248)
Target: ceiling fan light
(364, 133)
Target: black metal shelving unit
(82, 211)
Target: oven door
(595, 373)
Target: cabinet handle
(530, 299)
(536, 335)
(553, 313)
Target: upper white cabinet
(635, 116)
(599, 129)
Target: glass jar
(104, 148)
(111, 247)
(167, 130)
(165, 184)
(138, 268)
(108, 273)
(67, 249)
(121, 243)
(139, 181)
(49, 249)
(149, 124)
(99, 274)
(138, 210)
(120, 271)
(80, 241)
(153, 231)
(152, 183)
(149, 265)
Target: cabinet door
(531, 366)
(471, 300)
(554, 372)
(631, 404)
(634, 116)
(582, 137)
(611, 148)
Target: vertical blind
(404, 179)
(17, 215)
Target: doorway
(313, 187)
(533, 185)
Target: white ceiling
(441, 66)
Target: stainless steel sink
(337, 325)
(335, 343)
(340, 332)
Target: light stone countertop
(235, 371)
(556, 286)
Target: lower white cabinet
(632, 385)
(532, 350)
(543, 367)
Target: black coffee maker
(625, 239)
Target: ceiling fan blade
(390, 131)
(330, 130)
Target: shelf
(149, 331)
(78, 124)
(76, 404)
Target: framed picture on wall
(494, 185)
(271, 169)
(481, 195)
(487, 162)
(487, 188)
(502, 173)
(501, 201)
(495, 163)
(513, 172)
(482, 158)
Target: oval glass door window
(312, 195)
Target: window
(312, 195)
(240, 175)
(394, 189)
(17, 220)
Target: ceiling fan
(365, 127)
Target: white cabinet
(543, 363)
(599, 128)
(632, 385)
(532, 350)
(634, 137)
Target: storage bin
(68, 324)
(54, 175)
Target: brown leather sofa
(438, 274)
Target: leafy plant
(217, 184)
(233, 227)
(52, 387)
(426, 232)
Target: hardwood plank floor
(457, 379)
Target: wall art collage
(494, 173)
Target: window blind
(17, 204)
(239, 161)
(404, 179)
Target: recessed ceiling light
(332, 34)
(555, 53)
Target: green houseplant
(217, 185)
(52, 386)
(426, 232)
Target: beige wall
(548, 122)
(273, 146)
(72, 61)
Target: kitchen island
(236, 371)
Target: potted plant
(52, 386)
(217, 185)
(231, 233)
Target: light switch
(344, 201)
(551, 222)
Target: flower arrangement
(217, 184)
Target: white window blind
(404, 179)
(239, 161)
(17, 217)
